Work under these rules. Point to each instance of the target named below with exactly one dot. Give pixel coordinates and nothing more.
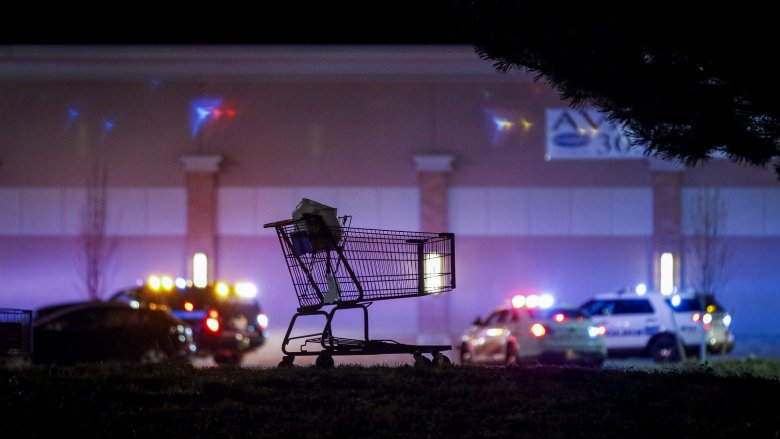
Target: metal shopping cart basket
(350, 268)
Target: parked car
(225, 325)
(520, 333)
(85, 332)
(650, 325)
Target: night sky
(400, 22)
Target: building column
(433, 183)
(201, 181)
(666, 179)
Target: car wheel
(153, 356)
(664, 349)
(511, 358)
(594, 363)
(465, 353)
(233, 359)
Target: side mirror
(477, 322)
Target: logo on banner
(586, 134)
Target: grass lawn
(726, 399)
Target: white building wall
(474, 211)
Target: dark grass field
(735, 400)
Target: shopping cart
(350, 268)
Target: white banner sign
(586, 134)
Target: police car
(227, 321)
(528, 330)
(649, 324)
(709, 316)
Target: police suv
(658, 326)
(227, 321)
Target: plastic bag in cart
(317, 239)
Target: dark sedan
(97, 331)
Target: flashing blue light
(676, 301)
(202, 112)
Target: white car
(649, 325)
(525, 332)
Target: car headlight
(596, 331)
(727, 320)
(495, 332)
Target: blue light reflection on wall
(203, 111)
(503, 123)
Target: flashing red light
(696, 317)
(189, 306)
(216, 112)
(560, 317)
(538, 330)
(229, 112)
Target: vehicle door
(491, 338)
(75, 337)
(687, 318)
(627, 321)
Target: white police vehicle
(710, 317)
(658, 326)
(530, 330)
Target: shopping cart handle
(278, 223)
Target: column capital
(434, 162)
(201, 162)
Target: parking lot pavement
(270, 354)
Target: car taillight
(212, 321)
(538, 330)
(707, 320)
(560, 317)
(696, 317)
(189, 306)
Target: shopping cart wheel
(324, 361)
(421, 361)
(440, 359)
(287, 361)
